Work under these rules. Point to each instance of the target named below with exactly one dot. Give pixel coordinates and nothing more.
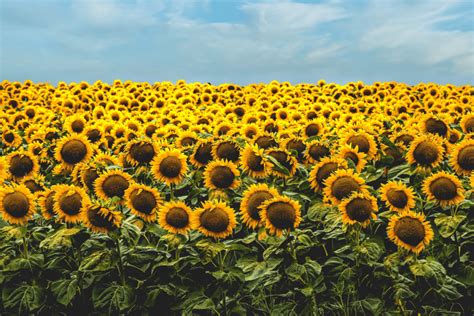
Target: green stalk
(120, 263)
(25, 247)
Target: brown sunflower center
(49, 203)
(170, 167)
(222, 177)
(215, 220)
(282, 158)
(177, 217)
(397, 198)
(88, 178)
(254, 162)
(228, 150)
(93, 135)
(352, 156)
(33, 186)
(312, 130)
(361, 141)
(188, 141)
(359, 209)
(324, 172)
(115, 185)
(409, 230)
(70, 204)
(318, 151)
(254, 201)
(466, 158)
(265, 142)
(282, 215)
(20, 165)
(469, 125)
(9, 137)
(97, 219)
(342, 187)
(142, 152)
(16, 204)
(203, 153)
(73, 151)
(77, 126)
(443, 189)
(144, 202)
(296, 145)
(434, 126)
(405, 139)
(425, 153)
(150, 130)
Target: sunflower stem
(171, 192)
(25, 247)
(120, 263)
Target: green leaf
(61, 238)
(277, 166)
(295, 271)
(25, 298)
(98, 261)
(114, 298)
(447, 225)
(430, 269)
(65, 290)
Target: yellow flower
(341, 185)
(16, 204)
(322, 170)
(71, 150)
(397, 196)
(221, 174)
(214, 219)
(252, 199)
(410, 231)
(462, 158)
(169, 166)
(101, 219)
(280, 214)
(69, 202)
(444, 188)
(425, 152)
(176, 217)
(358, 208)
(143, 201)
(112, 183)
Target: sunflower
(71, 150)
(322, 170)
(358, 208)
(175, 217)
(16, 204)
(214, 219)
(22, 164)
(202, 153)
(362, 141)
(34, 183)
(317, 150)
(169, 166)
(69, 202)
(313, 128)
(348, 152)
(342, 184)
(467, 123)
(221, 174)
(252, 199)
(410, 231)
(265, 140)
(186, 139)
(226, 150)
(425, 152)
(75, 124)
(10, 137)
(434, 125)
(100, 219)
(280, 214)
(444, 188)
(143, 201)
(296, 145)
(397, 196)
(253, 162)
(285, 159)
(46, 202)
(462, 157)
(112, 183)
(140, 152)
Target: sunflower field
(265, 199)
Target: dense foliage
(309, 199)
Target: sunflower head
(226, 150)
(317, 150)
(143, 201)
(214, 219)
(397, 196)
(71, 150)
(252, 199)
(46, 203)
(342, 184)
(358, 208)
(361, 140)
(202, 154)
(101, 219)
(16, 204)
(348, 152)
(462, 157)
(280, 214)
(140, 152)
(434, 125)
(221, 174)
(112, 183)
(425, 152)
(410, 231)
(169, 166)
(322, 170)
(444, 188)
(22, 164)
(176, 217)
(253, 162)
(69, 202)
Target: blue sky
(237, 40)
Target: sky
(237, 41)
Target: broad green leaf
(65, 290)
(98, 261)
(114, 298)
(61, 238)
(24, 299)
(447, 225)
